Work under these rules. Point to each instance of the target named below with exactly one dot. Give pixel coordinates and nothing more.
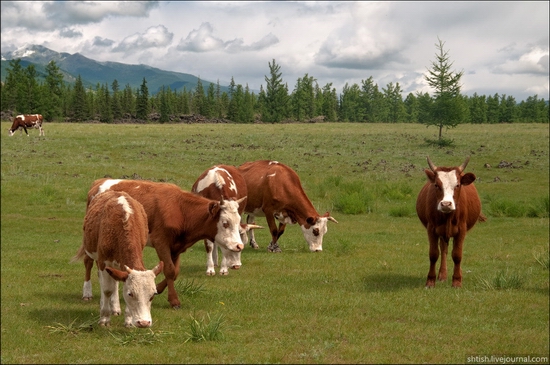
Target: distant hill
(93, 72)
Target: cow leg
(115, 301)
(209, 246)
(170, 281)
(27, 133)
(443, 245)
(250, 220)
(273, 246)
(87, 289)
(42, 131)
(108, 287)
(434, 255)
(457, 258)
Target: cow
(114, 235)
(275, 191)
(448, 206)
(24, 121)
(223, 182)
(176, 220)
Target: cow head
(228, 226)
(315, 229)
(447, 182)
(139, 290)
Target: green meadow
(361, 300)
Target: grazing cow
(177, 219)
(275, 191)
(223, 182)
(448, 206)
(115, 233)
(24, 121)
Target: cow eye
(316, 231)
(225, 225)
(131, 294)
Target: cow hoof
(177, 306)
(254, 245)
(224, 273)
(86, 299)
(210, 273)
(115, 313)
(274, 248)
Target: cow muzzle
(446, 206)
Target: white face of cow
(228, 235)
(449, 182)
(314, 234)
(139, 290)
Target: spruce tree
(448, 109)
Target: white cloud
(153, 37)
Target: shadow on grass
(387, 282)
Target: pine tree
(164, 107)
(54, 85)
(275, 98)
(142, 102)
(79, 100)
(448, 110)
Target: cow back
(222, 182)
(115, 226)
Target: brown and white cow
(448, 206)
(275, 191)
(115, 233)
(223, 182)
(177, 219)
(24, 121)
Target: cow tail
(79, 255)
(482, 218)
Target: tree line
(365, 102)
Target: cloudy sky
(502, 47)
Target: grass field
(361, 300)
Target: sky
(502, 47)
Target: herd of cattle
(124, 216)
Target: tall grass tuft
(148, 337)
(501, 207)
(188, 287)
(205, 328)
(74, 328)
(542, 257)
(503, 281)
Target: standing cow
(177, 219)
(24, 121)
(275, 191)
(448, 206)
(115, 233)
(223, 182)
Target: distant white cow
(115, 233)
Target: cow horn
(332, 219)
(253, 226)
(464, 164)
(128, 269)
(431, 164)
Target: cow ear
(311, 221)
(467, 179)
(158, 269)
(430, 174)
(117, 274)
(213, 208)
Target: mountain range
(93, 72)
